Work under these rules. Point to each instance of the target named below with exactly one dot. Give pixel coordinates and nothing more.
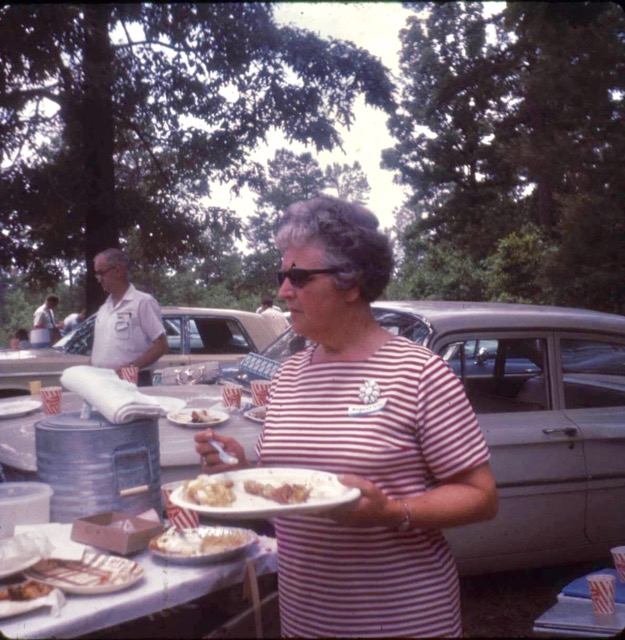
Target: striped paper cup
(231, 394)
(602, 590)
(131, 374)
(618, 556)
(260, 392)
(51, 399)
(177, 516)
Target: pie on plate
(202, 545)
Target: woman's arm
(467, 497)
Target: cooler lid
(72, 421)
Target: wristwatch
(404, 525)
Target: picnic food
(29, 590)
(194, 542)
(208, 491)
(286, 493)
(203, 416)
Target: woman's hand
(372, 509)
(209, 457)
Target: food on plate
(197, 542)
(286, 493)
(204, 416)
(29, 590)
(258, 412)
(208, 491)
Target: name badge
(365, 409)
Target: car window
(173, 331)
(593, 373)
(217, 335)
(501, 375)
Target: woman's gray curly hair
(349, 233)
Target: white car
(548, 387)
(194, 335)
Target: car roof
(207, 311)
(449, 316)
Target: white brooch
(369, 394)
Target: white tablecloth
(179, 461)
(164, 586)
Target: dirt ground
(505, 605)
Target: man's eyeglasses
(100, 274)
(300, 277)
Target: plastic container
(23, 503)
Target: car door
(217, 338)
(537, 454)
(593, 384)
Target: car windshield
(79, 341)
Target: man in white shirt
(72, 321)
(44, 317)
(273, 315)
(129, 328)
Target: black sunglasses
(300, 277)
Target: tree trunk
(101, 221)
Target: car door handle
(569, 431)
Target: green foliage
(347, 182)
(439, 272)
(498, 134)
(515, 272)
(116, 118)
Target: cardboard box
(118, 531)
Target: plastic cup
(178, 516)
(602, 590)
(231, 394)
(51, 398)
(618, 556)
(260, 392)
(131, 374)
(35, 387)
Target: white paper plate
(202, 545)
(184, 416)
(9, 608)
(12, 566)
(16, 408)
(170, 404)
(257, 414)
(326, 492)
(96, 573)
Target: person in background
(273, 315)
(129, 328)
(20, 341)
(44, 317)
(72, 321)
(390, 418)
(265, 302)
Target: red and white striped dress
(344, 581)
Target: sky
(373, 26)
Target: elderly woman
(387, 415)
